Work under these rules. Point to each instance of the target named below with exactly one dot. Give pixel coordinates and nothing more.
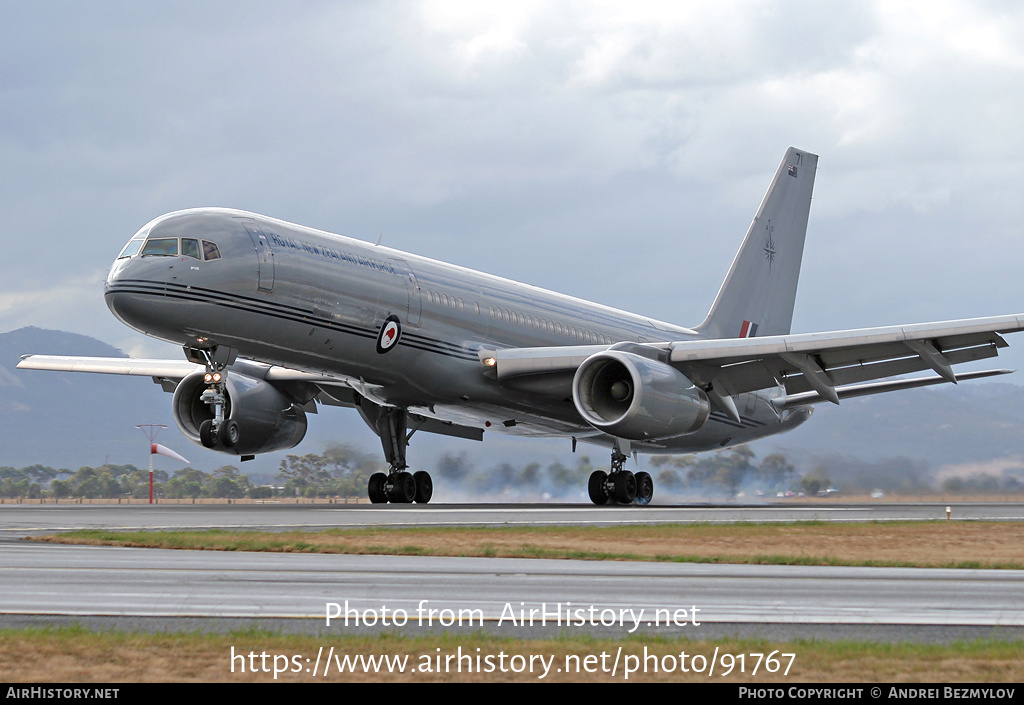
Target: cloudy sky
(615, 151)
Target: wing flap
(417, 422)
(819, 363)
(860, 390)
(887, 368)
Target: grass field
(912, 544)
(78, 655)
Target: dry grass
(920, 544)
(81, 656)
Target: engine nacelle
(267, 419)
(631, 396)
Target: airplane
(275, 319)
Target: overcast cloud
(614, 151)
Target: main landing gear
(398, 485)
(620, 486)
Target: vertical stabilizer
(757, 296)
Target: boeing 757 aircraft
(276, 319)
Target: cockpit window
(161, 246)
(190, 247)
(168, 247)
(132, 248)
(210, 250)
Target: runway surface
(24, 519)
(146, 588)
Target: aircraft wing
(333, 390)
(812, 367)
(175, 370)
(171, 369)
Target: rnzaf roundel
(390, 332)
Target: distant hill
(65, 419)
(953, 430)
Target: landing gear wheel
(644, 488)
(625, 486)
(229, 433)
(206, 435)
(403, 488)
(596, 487)
(424, 486)
(375, 488)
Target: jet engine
(267, 419)
(635, 397)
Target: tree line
(121, 481)
(343, 471)
(340, 471)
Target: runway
(127, 586)
(159, 589)
(18, 520)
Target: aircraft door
(264, 256)
(412, 288)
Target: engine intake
(631, 396)
(267, 418)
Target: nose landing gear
(218, 431)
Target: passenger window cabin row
(501, 314)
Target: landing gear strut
(620, 486)
(398, 485)
(217, 431)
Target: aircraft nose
(118, 300)
(121, 291)
(116, 271)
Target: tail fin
(759, 291)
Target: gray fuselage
(309, 300)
